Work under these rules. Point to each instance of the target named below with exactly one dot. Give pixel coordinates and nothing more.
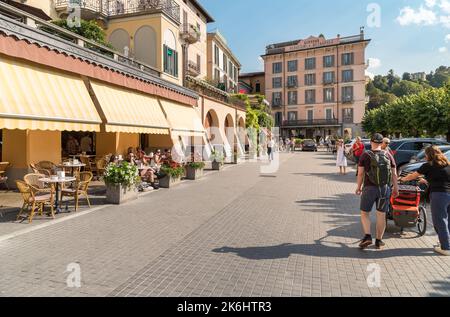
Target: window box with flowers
(121, 183)
(173, 173)
(194, 169)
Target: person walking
(341, 160)
(270, 148)
(358, 150)
(437, 173)
(288, 145)
(376, 171)
(385, 146)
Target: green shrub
(124, 174)
(196, 165)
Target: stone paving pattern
(234, 233)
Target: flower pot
(217, 166)
(168, 181)
(118, 194)
(193, 174)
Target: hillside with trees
(386, 89)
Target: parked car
(405, 149)
(309, 145)
(414, 167)
(421, 156)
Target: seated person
(158, 160)
(131, 157)
(114, 159)
(141, 156)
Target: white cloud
(370, 75)
(447, 38)
(421, 16)
(374, 63)
(430, 12)
(443, 50)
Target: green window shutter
(165, 58)
(175, 66)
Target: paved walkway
(234, 233)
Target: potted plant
(194, 170)
(173, 173)
(217, 159)
(121, 182)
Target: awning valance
(129, 111)
(37, 98)
(184, 120)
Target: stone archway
(212, 127)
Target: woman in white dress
(341, 160)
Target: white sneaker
(442, 252)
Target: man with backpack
(377, 172)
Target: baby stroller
(408, 210)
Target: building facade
(252, 83)
(316, 86)
(223, 65)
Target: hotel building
(316, 86)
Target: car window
(421, 156)
(394, 145)
(413, 146)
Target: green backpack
(380, 173)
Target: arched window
(145, 45)
(170, 53)
(120, 39)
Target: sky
(407, 35)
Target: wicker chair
(3, 178)
(89, 167)
(80, 189)
(36, 170)
(33, 179)
(33, 202)
(47, 165)
(101, 167)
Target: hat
(377, 138)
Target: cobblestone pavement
(234, 233)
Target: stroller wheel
(422, 221)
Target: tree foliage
(426, 113)
(88, 29)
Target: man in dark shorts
(377, 171)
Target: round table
(58, 181)
(73, 167)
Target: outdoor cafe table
(72, 167)
(58, 181)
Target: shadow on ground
(442, 288)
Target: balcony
(190, 33)
(310, 123)
(292, 85)
(105, 9)
(347, 99)
(193, 69)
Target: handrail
(33, 21)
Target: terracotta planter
(168, 181)
(216, 166)
(193, 174)
(117, 194)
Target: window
(258, 87)
(277, 68)
(225, 63)
(278, 119)
(217, 75)
(310, 115)
(310, 63)
(328, 114)
(347, 76)
(292, 81)
(231, 69)
(292, 66)
(170, 61)
(276, 99)
(292, 98)
(347, 94)
(328, 78)
(310, 96)
(328, 95)
(216, 55)
(292, 115)
(277, 82)
(348, 59)
(347, 115)
(310, 79)
(328, 61)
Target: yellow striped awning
(129, 111)
(184, 120)
(37, 98)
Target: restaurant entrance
(73, 143)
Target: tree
(406, 87)
(406, 76)
(88, 29)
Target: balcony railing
(190, 33)
(310, 123)
(113, 8)
(193, 69)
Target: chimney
(361, 32)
